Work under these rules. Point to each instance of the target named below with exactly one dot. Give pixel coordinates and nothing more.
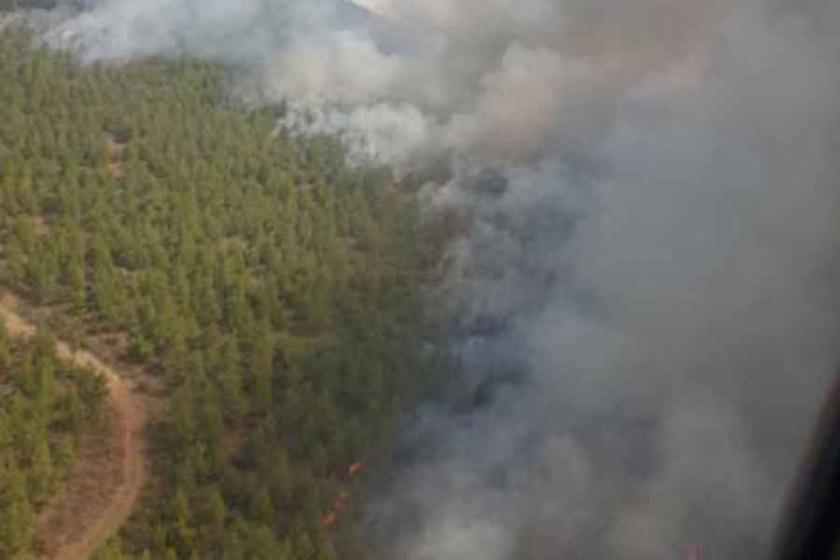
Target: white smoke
(653, 194)
(458, 64)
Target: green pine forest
(271, 292)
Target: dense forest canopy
(270, 288)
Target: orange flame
(342, 500)
(329, 519)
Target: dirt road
(75, 536)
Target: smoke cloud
(644, 297)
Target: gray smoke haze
(653, 195)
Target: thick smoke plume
(645, 293)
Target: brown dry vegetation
(116, 155)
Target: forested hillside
(45, 408)
(273, 290)
(11, 5)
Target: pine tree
(16, 516)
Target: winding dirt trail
(76, 524)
